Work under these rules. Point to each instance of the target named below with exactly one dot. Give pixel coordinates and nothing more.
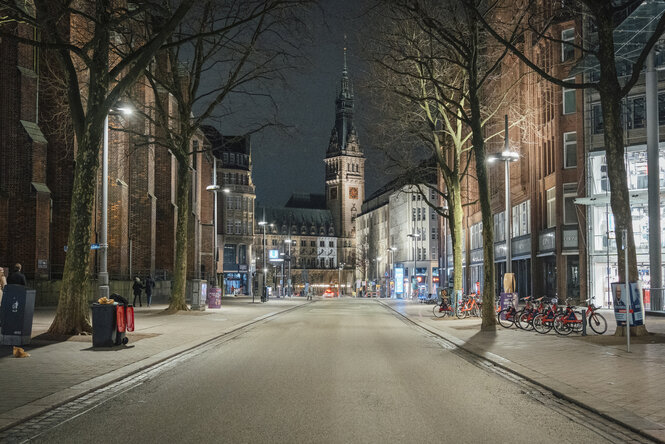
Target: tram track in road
(37, 425)
(606, 427)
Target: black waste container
(16, 312)
(104, 329)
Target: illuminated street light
(103, 275)
(506, 156)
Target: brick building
(37, 152)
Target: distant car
(329, 293)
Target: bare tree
(225, 49)
(443, 67)
(536, 17)
(97, 73)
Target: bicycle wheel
(476, 311)
(459, 312)
(523, 321)
(598, 323)
(505, 318)
(561, 327)
(439, 312)
(517, 318)
(541, 325)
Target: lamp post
(506, 156)
(214, 188)
(263, 224)
(339, 280)
(378, 278)
(288, 257)
(415, 237)
(103, 275)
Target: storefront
(603, 269)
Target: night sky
(291, 160)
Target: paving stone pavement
(595, 372)
(57, 372)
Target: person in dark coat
(137, 287)
(16, 277)
(149, 285)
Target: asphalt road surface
(333, 371)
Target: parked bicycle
(469, 307)
(443, 309)
(594, 319)
(507, 316)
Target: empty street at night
(345, 370)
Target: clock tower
(345, 172)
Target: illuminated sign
(273, 254)
(399, 281)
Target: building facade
(235, 216)
(38, 152)
(345, 172)
(398, 238)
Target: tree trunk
(478, 140)
(609, 89)
(177, 301)
(73, 313)
(456, 231)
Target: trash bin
(104, 329)
(16, 313)
(110, 322)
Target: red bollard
(130, 318)
(120, 318)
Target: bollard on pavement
(583, 322)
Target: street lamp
(263, 224)
(506, 156)
(288, 258)
(339, 280)
(415, 237)
(103, 275)
(214, 188)
(378, 278)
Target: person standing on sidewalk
(137, 287)
(149, 285)
(17, 278)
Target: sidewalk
(57, 372)
(594, 371)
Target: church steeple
(343, 138)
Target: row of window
(236, 178)
(240, 203)
(633, 115)
(235, 159)
(569, 209)
(303, 243)
(234, 226)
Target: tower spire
(345, 70)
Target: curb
(533, 378)
(19, 415)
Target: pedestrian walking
(3, 282)
(149, 285)
(16, 277)
(137, 287)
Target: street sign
(273, 254)
(92, 247)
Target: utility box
(16, 313)
(199, 294)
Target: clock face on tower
(353, 193)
